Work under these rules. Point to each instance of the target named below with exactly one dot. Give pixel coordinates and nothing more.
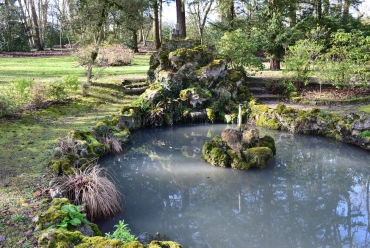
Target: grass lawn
(50, 68)
(27, 141)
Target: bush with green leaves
(8, 102)
(122, 233)
(23, 87)
(346, 64)
(57, 91)
(301, 59)
(240, 48)
(71, 82)
(8, 105)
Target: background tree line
(271, 25)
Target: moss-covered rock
(267, 141)
(130, 119)
(91, 147)
(257, 157)
(195, 96)
(64, 164)
(231, 150)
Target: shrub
(23, 88)
(122, 233)
(238, 46)
(8, 104)
(91, 187)
(57, 91)
(71, 82)
(38, 95)
(114, 55)
(365, 134)
(301, 59)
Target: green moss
(102, 242)
(163, 244)
(257, 157)
(260, 108)
(54, 214)
(365, 109)
(60, 239)
(211, 114)
(234, 75)
(266, 121)
(280, 108)
(93, 146)
(218, 157)
(123, 134)
(95, 229)
(237, 162)
(269, 142)
(64, 164)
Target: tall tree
(38, 41)
(180, 14)
(156, 36)
(199, 10)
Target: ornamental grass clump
(92, 188)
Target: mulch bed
(312, 92)
(46, 53)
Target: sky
(169, 11)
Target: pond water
(314, 192)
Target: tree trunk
(25, 24)
(180, 14)
(231, 15)
(326, 7)
(274, 64)
(347, 4)
(36, 26)
(157, 41)
(160, 21)
(134, 37)
(292, 13)
(319, 11)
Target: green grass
(28, 140)
(51, 68)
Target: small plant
(23, 88)
(122, 233)
(8, 105)
(16, 218)
(57, 91)
(71, 82)
(75, 217)
(38, 95)
(92, 188)
(365, 134)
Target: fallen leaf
(29, 232)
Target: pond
(314, 192)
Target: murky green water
(314, 192)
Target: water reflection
(314, 192)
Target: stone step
(135, 91)
(129, 80)
(256, 90)
(268, 97)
